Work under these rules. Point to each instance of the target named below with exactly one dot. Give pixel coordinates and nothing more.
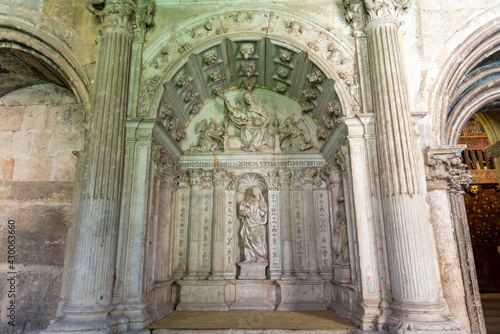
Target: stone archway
(300, 70)
(45, 97)
(469, 82)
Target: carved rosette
(386, 9)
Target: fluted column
(409, 237)
(218, 225)
(285, 221)
(92, 276)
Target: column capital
(445, 169)
(385, 9)
(112, 12)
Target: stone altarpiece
(262, 142)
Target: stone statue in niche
(253, 214)
(252, 120)
(340, 238)
(295, 135)
(210, 138)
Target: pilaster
(410, 242)
(92, 277)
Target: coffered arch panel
(280, 52)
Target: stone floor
(491, 309)
(236, 322)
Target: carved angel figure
(252, 120)
(295, 135)
(253, 214)
(210, 138)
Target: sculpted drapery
(253, 214)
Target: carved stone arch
(22, 35)
(332, 53)
(464, 85)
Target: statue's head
(247, 97)
(256, 191)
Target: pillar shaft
(96, 235)
(410, 243)
(92, 276)
(411, 262)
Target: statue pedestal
(252, 270)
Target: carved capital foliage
(123, 13)
(445, 170)
(378, 9)
(284, 177)
(113, 12)
(355, 15)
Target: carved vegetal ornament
(445, 170)
(378, 9)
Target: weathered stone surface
(12, 118)
(36, 191)
(6, 169)
(33, 169)
(36, 298)
(5, 144)
(65, 141)
(40, 145)
(35, 117)
(21, 143)
(65, 167)
(41, 233)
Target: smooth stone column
(460, 181)
(440, 164)
(410, 242)
(92, 276)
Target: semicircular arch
(22, 35)
(465, 83)
(331, 52)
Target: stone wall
(40, 128)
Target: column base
(81, 319)
(421, 318)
